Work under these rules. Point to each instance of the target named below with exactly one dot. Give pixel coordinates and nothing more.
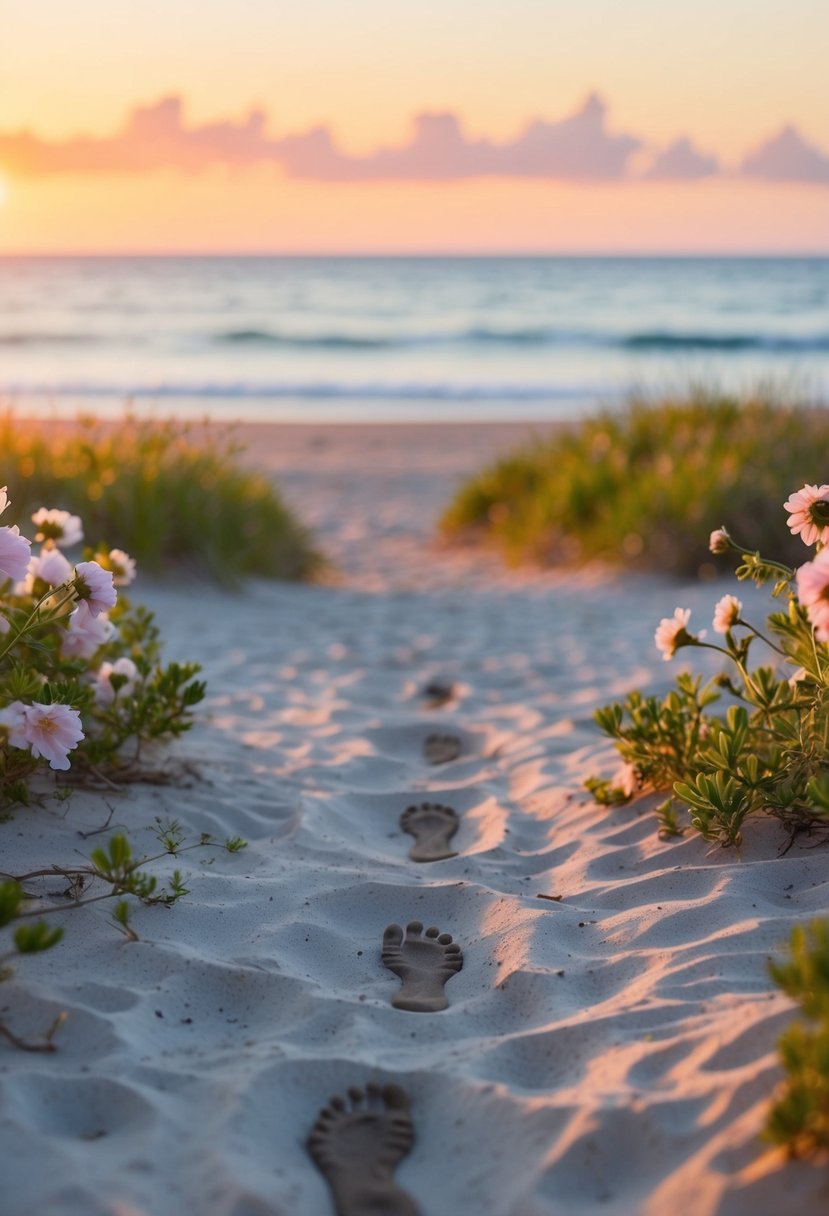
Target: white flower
(122, 567)
(797, 675)
(58, 526)
(50, 731)
(719, 541)
(626, 780)
(85, 633)
(15, 551)
(672, 633)
(809, 514)
(94, 587)
(126, 674)
(726, 613)
(813, 592)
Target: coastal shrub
(768, 754)
(643, 486)
(175, 496)
(80, 668)
(799, 1116)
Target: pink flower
(15, 551)
(58, 526)
(85, 633)
(50, 731)
(672, 633)
(13, 718)
(726, 613)
(809, 514)
(719, 541)
(94, 586)
(126, 677)
(51, 567)
(813, 593)
(122, 567)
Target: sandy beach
(609, 1042)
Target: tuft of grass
(172, 495)
(799, 1116)
(644, 487)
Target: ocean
(402, 338)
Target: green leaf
(31, 939)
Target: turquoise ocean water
(402, 338)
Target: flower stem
(35, 619)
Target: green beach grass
(644, 487)
(175, 497)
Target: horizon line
(416, 255)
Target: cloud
(682, 162)
(578, 147)
(153, 137)
(788, 157)
(575, 148)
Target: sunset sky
(142, 125)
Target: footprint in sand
(440, 749)
(423, 963)
(438, 693)
(432, 826)
(358, 1150)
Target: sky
(464, 126)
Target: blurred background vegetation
(645, 486)
(175, 497)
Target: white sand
(612, 1052)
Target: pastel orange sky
(712, 132)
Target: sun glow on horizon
(333, 128)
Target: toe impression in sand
(440, 749)
(432, 826)
(358, 1144)
(438, 693)
(424, 962)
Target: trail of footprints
(358, 1141)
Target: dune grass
(644, 487)
(175, 497)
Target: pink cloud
(578, 147)
(155, 136)
(682, 162)
(788, 157)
